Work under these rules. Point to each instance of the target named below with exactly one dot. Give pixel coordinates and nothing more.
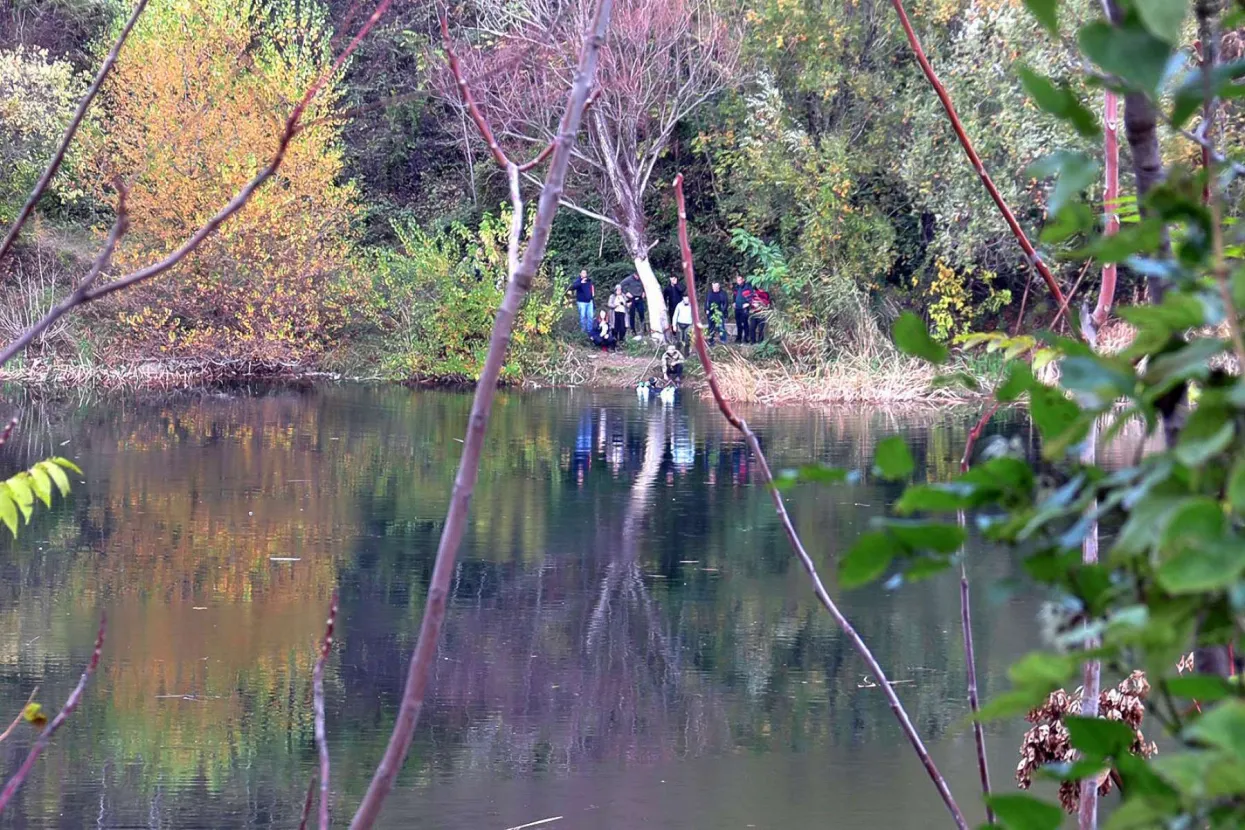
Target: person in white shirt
(683, 320)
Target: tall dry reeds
(892, 379)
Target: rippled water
(630, 643)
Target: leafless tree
(662, 60)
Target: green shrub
(435, 298)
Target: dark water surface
(630, 642)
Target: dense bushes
(37, 98)
(193, 109)
(435, 297)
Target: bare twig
(86, 292)
(1087, 811)
(1024, 299)
(59, 156)
(966, 624)
(520, 282)
(974, 703)
(1063, 305)
(21, 714)
(702, 350)
(317, 694)
(45, 737)
(975, 434)
(311, 797)
(1030, 254)
(1212, 153)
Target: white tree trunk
(658, 319)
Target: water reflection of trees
(623, 595)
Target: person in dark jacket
(634, 290)
(603, 332)
(618, 304)
(759, 314)
(672, 294)
(584, 291)
(715, 312)
(743, 303)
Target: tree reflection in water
(624, 602)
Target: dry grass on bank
(892, 379)
(149, 374)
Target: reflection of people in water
(581, 459)
(682, 447)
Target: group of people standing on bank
(625, 309)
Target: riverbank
(158, 375)
(743, 376)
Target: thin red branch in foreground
(901, 715)
(966, 624)
(311, 797)
(974, 435)
(424, 657)
(59, 156)
(974, 159)
(21, 714)
(8, 430)
(974, 702)
(45, 737)
(317, 697)
(1110, 199)
(86, 293)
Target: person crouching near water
(603, 332)
(672, 364)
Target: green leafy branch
(18, 492)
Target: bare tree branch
(974, 703)
(966, 624)
(520, 282)
(819, 589)
(1091, 673)
(516, 220)
(317, 697)
(570, 205)
(311, 797)
(59, 156)
(486, 132)
(21, 713)
(45, 738)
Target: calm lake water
(630, 642)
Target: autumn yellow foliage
(194, 109)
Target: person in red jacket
(759, 314)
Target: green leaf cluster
(18, 492)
